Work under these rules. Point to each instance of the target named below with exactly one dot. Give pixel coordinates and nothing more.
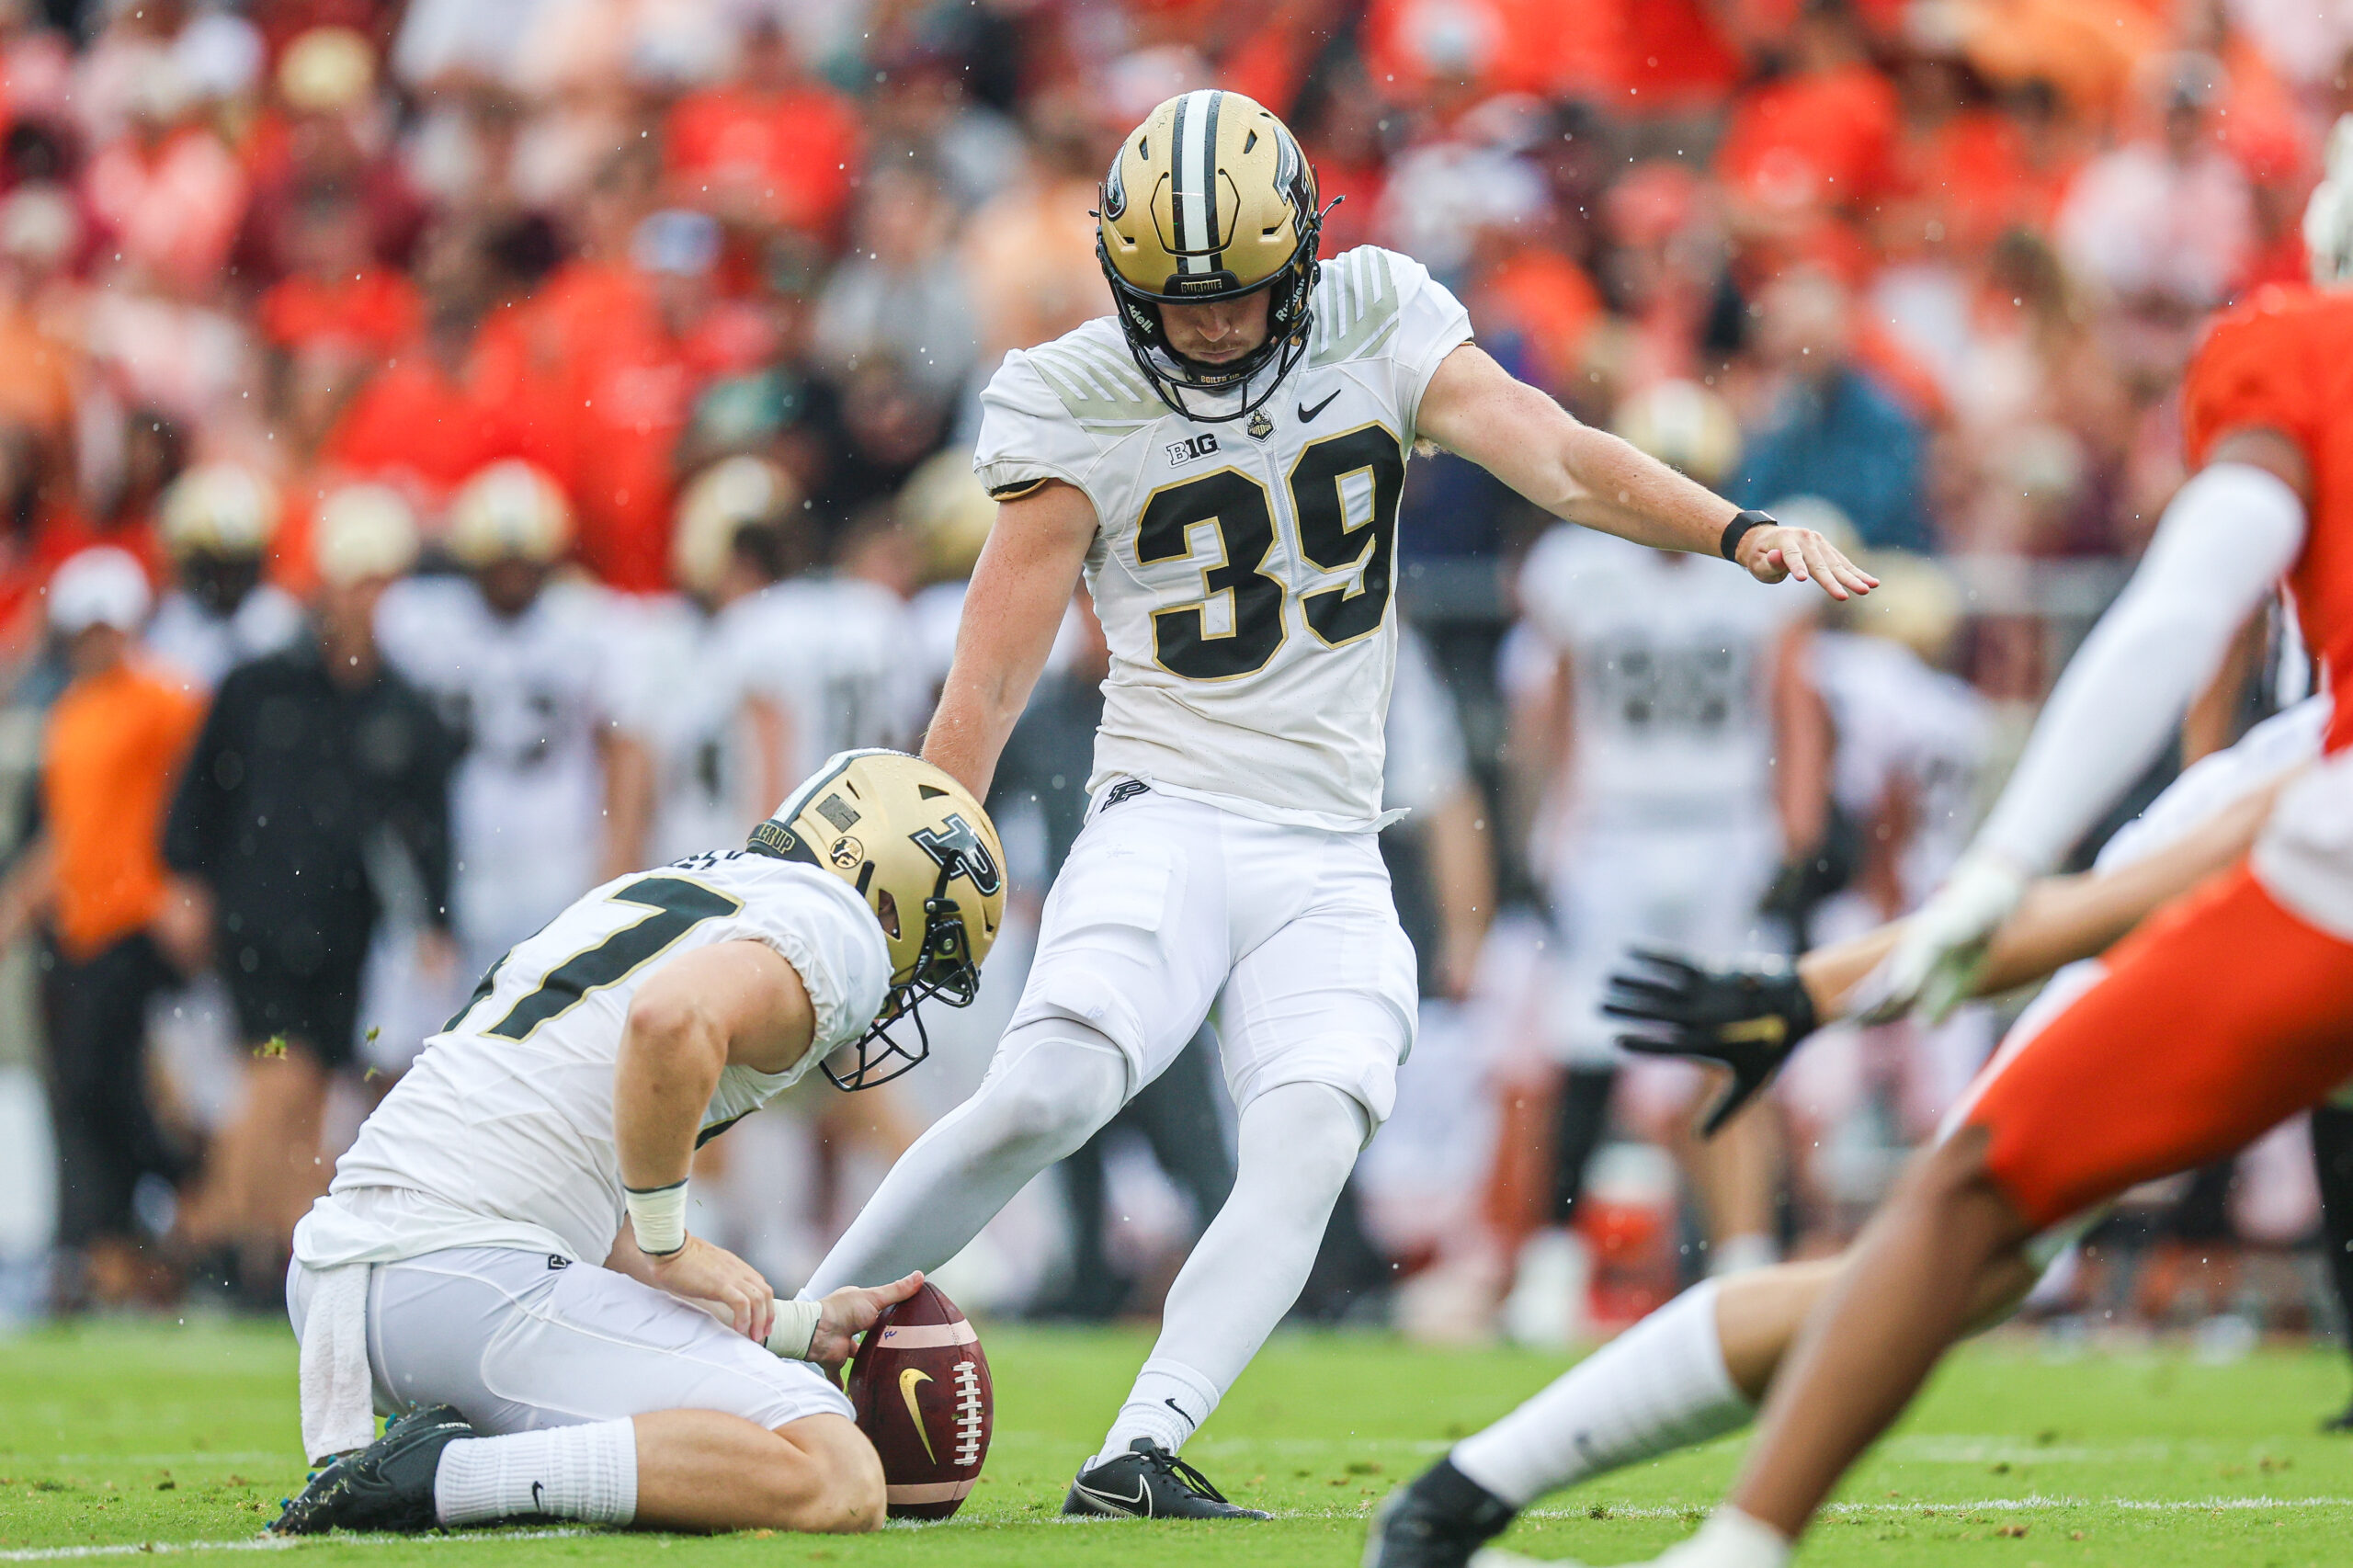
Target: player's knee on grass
(832, 1484)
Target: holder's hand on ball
(850, 1311)
(731, 1289)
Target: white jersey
(530, 696)
(1426, 764)
(1243, 571)
(204, 646)
(1670, 659)
(502, 1134)
(680, 692)
(1899, 720)
(838, 655)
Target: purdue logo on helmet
(958, 848)
(1210, 199)
(927, 860)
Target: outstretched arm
(1020, 588)
(1752, 1017)
(2224, 541)
(2060, 919)
(1476, 409)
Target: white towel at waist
(338, 1407)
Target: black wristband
(1737, 529)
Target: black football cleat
(1437, 1522)
(388, 1485)
(1150, 1483)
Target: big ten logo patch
(1192, 448)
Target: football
(921, 1386)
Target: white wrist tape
(796, 1329)
(658, 1215)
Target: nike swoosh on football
(907, 1381)
(1143, 1491)
(1307, 414)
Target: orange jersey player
(2223, 1015)
(2282, 364)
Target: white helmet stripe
(1196, 149)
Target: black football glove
(1747, 1017)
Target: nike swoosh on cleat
(1142, 1499)
(1307, 414)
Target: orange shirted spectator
(630, 363)
(374, 311)
(1547, 299)
(336, 293)
(1492, 46)
(120, 928)
(774, 145)
(458, 396)
(171, 197)
(1821, 136)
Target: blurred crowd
(453, 453)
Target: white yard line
(2030, 1505)
(1868, 1510)
(267, 1543)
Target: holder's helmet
(1210, 200)
(924, 855)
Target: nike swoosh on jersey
(1307, 414)
(1141, 1500)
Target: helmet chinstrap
(943, 972)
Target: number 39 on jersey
(1243, 571)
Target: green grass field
(125, 1440)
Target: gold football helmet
(924, 855)
(220, 510)
(1209, 198)
(723, 499)
(509, 511)
(1685, 427)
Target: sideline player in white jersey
(1222, 459)
(503, 1262)
(1699, 1367)
(1913, 745)
(216, 524)
(717, 757)
(545, 803)
(1682, 755)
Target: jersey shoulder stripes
(1357, 305)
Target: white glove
(1935, 964)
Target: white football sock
(1168, 1404)
(1738, 1254)
(1052, 1084)
(1660, 1386)
(1299, 1141)
(587, 1472)
(1730, 1540)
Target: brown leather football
(921, 1386)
